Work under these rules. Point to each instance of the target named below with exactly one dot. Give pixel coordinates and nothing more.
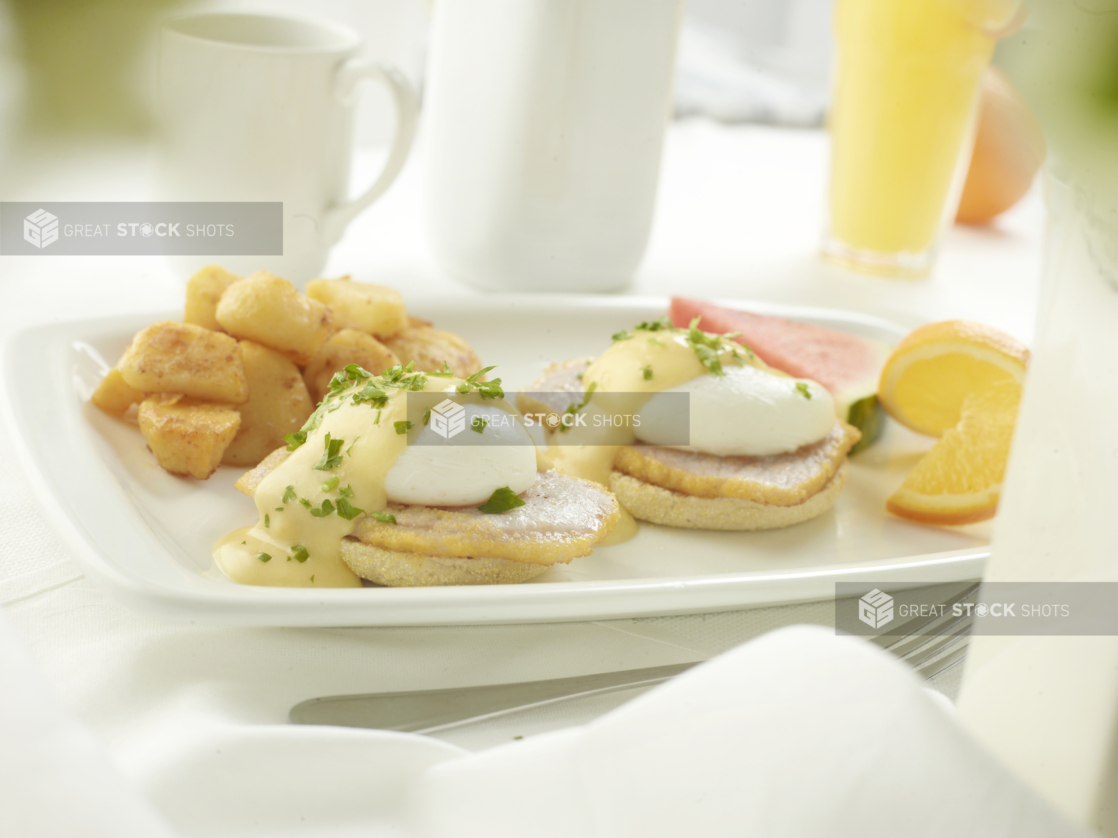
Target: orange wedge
(960, 479)
(937, 367)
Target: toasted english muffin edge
(656, 505)
(410, 570)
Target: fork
(931, 645)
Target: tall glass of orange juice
(907, 79)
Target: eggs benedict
(368, 489)
(759, 449)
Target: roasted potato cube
(430, 347)
(113, 395)
(278, 403)
(268, 310)
(203, 290)
(171, 357)
(187, 438)
(246, 484)
(359, 305)
(348, 346)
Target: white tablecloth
(740, 215)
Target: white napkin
(799, 733)
(285, 781)
(55, 780)
(191, 780)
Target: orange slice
(936, 367)
(959, 480)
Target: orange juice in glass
(907, 79)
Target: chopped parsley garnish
(804, 391)
(355, 441)
(264, 557)
(580, 374)
(331, 484)
(279, 509)
(326, 509)
(502, 500)
(479, 424)
(347, 510)
(572, 409)
(344, 379)
(383, 517)
(403, 427)
(312, 577)
(370, 394)
(362, 387)
(662, 324)
(289, 494)
(708, 347)
(299, 553)
(345, 492)
(404, 378)
(485, 389)
(306, 503)
(267, 521)
(426, 417)
(331, 454)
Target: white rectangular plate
(145, 536)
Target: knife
(427, 711)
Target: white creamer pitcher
(544, 125)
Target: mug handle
(348, 76)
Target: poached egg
(746, 411)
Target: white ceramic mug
(261, 108)
(544, 121)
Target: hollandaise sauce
(736, 404)
(336, 471)
(648, 359)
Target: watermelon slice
(847, 365)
